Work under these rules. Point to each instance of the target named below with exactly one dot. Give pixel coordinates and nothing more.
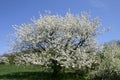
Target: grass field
(12, 72)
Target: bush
(4, 60)
(109, 68)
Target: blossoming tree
(58, 41)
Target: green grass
(7, 69)
(12, 72)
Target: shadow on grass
(38, 76)
(27, 76)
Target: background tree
(109, 68)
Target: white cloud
(97, 3)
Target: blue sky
(21, 11)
